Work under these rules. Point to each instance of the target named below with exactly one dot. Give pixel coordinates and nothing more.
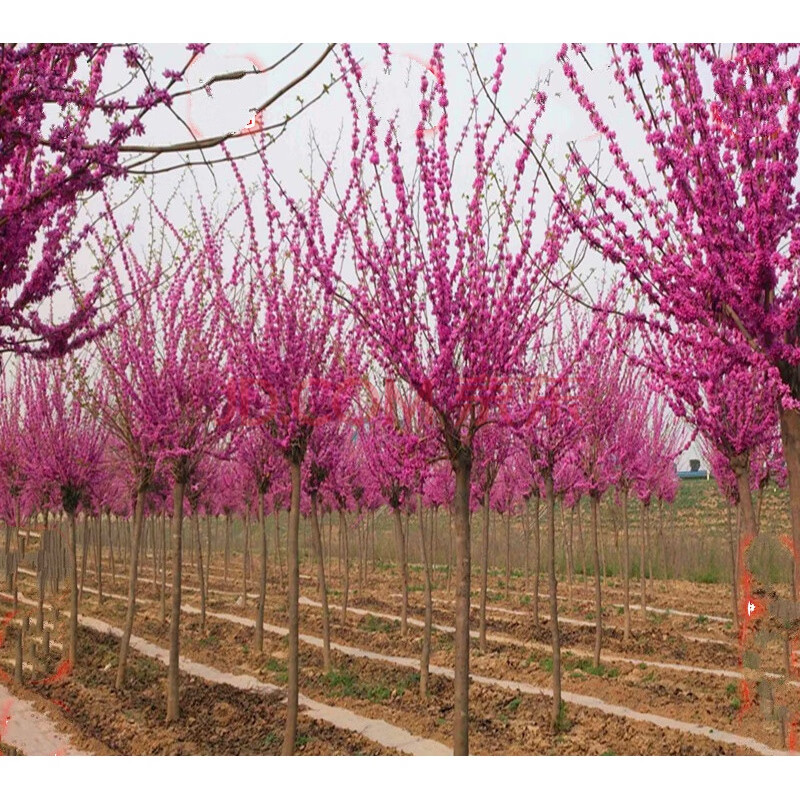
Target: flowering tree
(717, 243)
(65, 445)
(448, 298)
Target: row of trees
(445, 272)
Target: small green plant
(702, 619)
(513, 705)
(730, 689)
(608, 753)
(563, 723)
(302, 739)
(546, 663)
(271, 739)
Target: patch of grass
(526, 600)
(378, 625)
(278, 669)
(707, 577)
(301, 740)
(563, 723)
(343, 683)
(702, 619)
(650, 677)
(271, 739)
(513, 705)
(731, 689)
(546, 663)
(608, 753)
(736, 703)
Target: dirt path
(29, 731)
(524, 688)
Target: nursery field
(674, 687)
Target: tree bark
(73, 591)
(426, 635)
(402, 566)
(163, 588)
(316, 533)
(551, 530)
(227, 546)
(642, 576)
(173, 669)
(293, 574)
(734, 574)
(484, 572)
(84, 555)
(344, 532)
(626, 567)
(598, 637)
(138, 522)
(262, 578)
(462, 467)
(537, 557)
(790, 436)
(199, 547)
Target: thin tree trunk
(173, 709)
(316, 534)
(626, 566)
(526, 532)
(462, 468)
(450, 548)
(278, 556)
(293, 573)
(484, 572)
(568, 547)
(426, 635)
(551, 530)
(84, 556)
(245, 553)
(73, 591)
(402, 566)
(537, 557)
(138, 523)
(262, 578)
(111, 551)
(163, 589)
(343, 531)
(790, 436)
(583, 545)
(642, 576)
(98, 530)
(734, 574)
(199, 549)
(227, 546)
(508, 554)
(598, 639)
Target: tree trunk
(642, 576)
(111, 552)
(293, 571)
(323, 587)
(245, 553)
(462, 467)
(138, 522)
(450, 548)
(426, 635)
(626, 576)
(598, 637)
(734, 575)
(568, 547)
(790, 436)
(583, 545)
(526, 532)
(173, 669)
(262, 578)
(484, 572)
(402, 566)
(73, 591)
(227, 546)
(551, 530)
(343, 531)
(98, 528)
(84, 556)
(199, 548)
(508, 554)
(278, 556)
(163, 589)
(537, 558)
